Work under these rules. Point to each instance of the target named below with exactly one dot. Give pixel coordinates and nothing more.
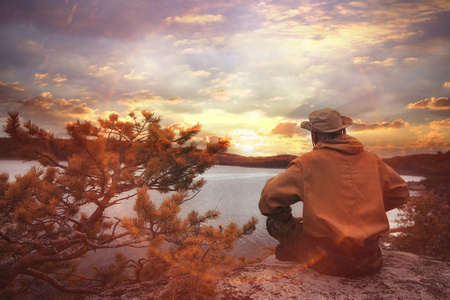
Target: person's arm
(282, 191)
(395, 189)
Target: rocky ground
(404, 276)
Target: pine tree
(58, 213)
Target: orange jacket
(345, 190)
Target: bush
(424, 226)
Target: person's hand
(293, 222)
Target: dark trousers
(322, 254)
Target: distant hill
(421, 164)
(434, 167)
(279, 161)
(418, 164)
(437, 164)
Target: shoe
(283, 254)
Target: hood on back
(343, 143)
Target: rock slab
(403, 276)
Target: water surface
(234, 191)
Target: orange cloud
(362, 126)
(45, 104)
(440, 124)
(40, 76)
(59, 78)
(431, 141)
(431, 103)
(10, 86)
(287, 128)
(100, 71)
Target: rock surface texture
(404, 276)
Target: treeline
(421, 164)
(434, 167)
(279, 161)
(10, 150)
(427, 165)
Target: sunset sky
(249, 70)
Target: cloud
(140, 93)
(302, 111)
(45, 103)
(277, 13)
(133, 76)
(46, 77)
(362, 126)
(256, 114)
(367, 60)
(263, 143)
(410, 59)
(101, 71)
(11, 86)
(119, 19)
(142, 96)
(59, 78)
(432, 141)
(51, 113)
(431, 103)
(193, 19)
(200, 73)
(287, 128)
(46, 95)
(277, 98)
(144, 99)
(197, 50)
(40, 76)
(440, 124)
(230, 64)
(229, 87)
(139, 103)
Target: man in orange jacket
(345, 191)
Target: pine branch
(105, 244)
(56, 284)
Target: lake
(234, 191)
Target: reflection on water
(233, 191)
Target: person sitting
(346, 191)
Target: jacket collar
(343, 143)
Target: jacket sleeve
(395, 189)
(282, 191)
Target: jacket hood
(343, 143)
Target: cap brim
(347, 121)
(306, 125)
